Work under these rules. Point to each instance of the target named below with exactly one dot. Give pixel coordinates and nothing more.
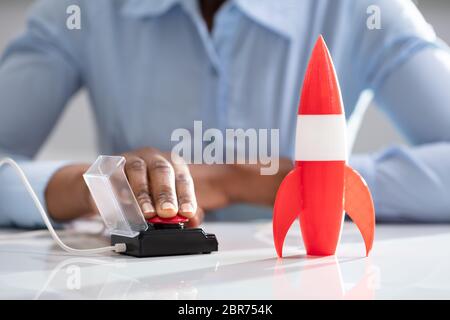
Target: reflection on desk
(408, 261)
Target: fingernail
(187, 207)
(168, 206)
(147, 207)
(148, 215)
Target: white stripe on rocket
(321, 138)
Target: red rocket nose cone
(320, 93)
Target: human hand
(220, 185)
(161, 186)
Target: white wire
(118, 247)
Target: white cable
(118, 247)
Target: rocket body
(317, 189)
(322, 210)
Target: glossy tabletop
(407, 261)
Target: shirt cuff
(17, 208)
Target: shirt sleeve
(412, 183)
(409, 72)
(37, 77)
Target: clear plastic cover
(113, 196)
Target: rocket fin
(286, 208)
(358, 205)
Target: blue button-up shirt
(152, 66)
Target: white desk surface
(407, 261)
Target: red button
(173, 220)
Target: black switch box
(166, 240)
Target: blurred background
(74, 136)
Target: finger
(185, 190)
(136, 171)
(162, 184)
(197, 219)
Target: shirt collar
(278, 16)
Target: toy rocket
(322, 186)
